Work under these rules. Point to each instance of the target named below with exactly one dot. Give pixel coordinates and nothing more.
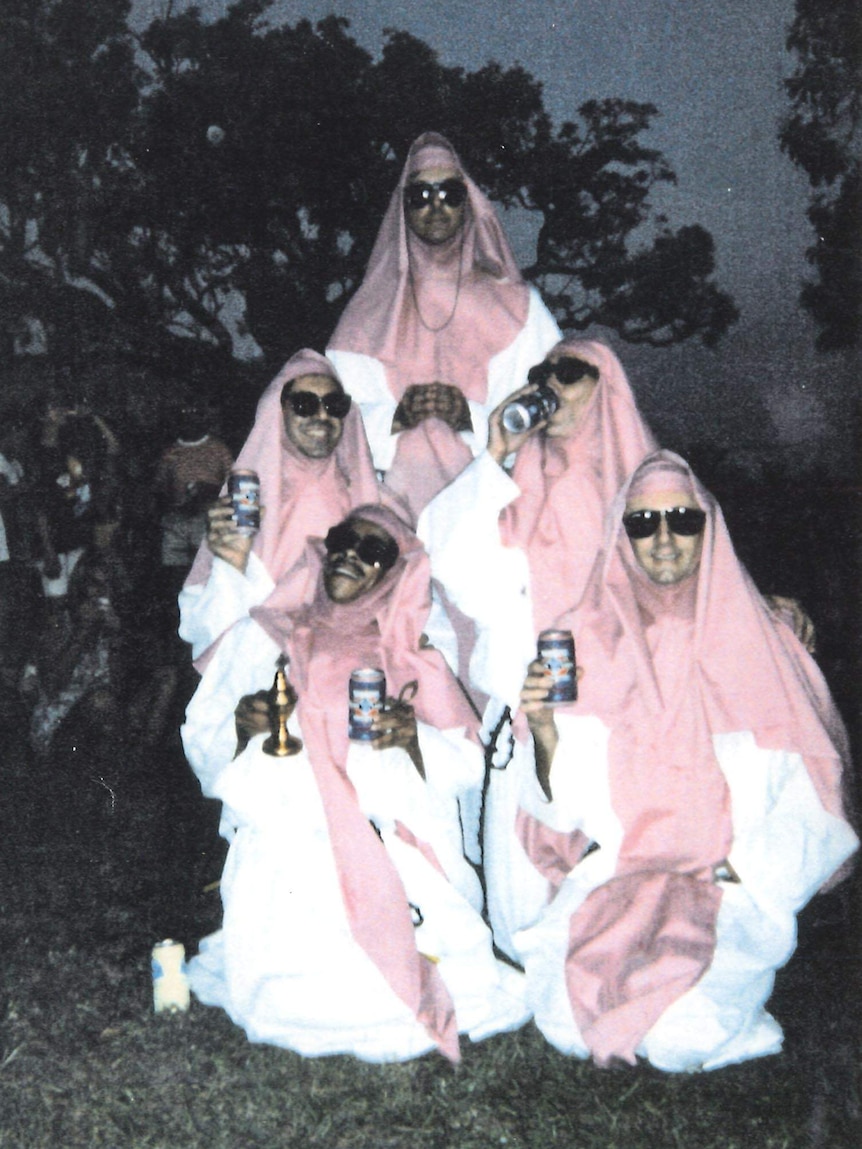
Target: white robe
(285, 965)
(785, 846)
(487, 581)
(364, 377)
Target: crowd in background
(99, 522)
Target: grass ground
(95, 878)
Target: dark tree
(821, 134)
(232, 186)
(67, 91)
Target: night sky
(714, 69)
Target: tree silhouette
(67, 90)
(821, 134)
(227, 180)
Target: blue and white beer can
(367, 698)
(556, 649)
(244, 490)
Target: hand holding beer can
(244, 490)
(556, 649)
(529, 410)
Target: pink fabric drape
(568, 484)
(302, 496)
(435, 314)
(666, 668)
(325, 642)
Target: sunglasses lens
(641, 524)
(569, 370)
(337, 404)
(306, 403)
(685, 520)
(303, 403)
(373, 551)
(377, 552)
(339, 539)
(538, 374)
(417, 195)
(452, 192)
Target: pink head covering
(567, 485)
(325, 642)
(436, 313)
(302, 496)
(666, 668)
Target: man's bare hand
(223, 539)
(502, 443)
(791, 612)
(396, 727)
(417, 403)
(252, 716)
(540, 718)
(432, 401)
(452, 407)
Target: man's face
(665, 557)
(437, 222)
(574, 399)
(317, 435)
(347, 576)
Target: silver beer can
(244, 490)
(525, 413)
(366, 699)
(556, 649)
(170, 980)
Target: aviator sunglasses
(567, 370)
(370, 549)
(448, 193)
(687, 521)
(305, 403)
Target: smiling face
(315, 436)
(436, 223)
(665, 557)
(574, 399)
(346, 577)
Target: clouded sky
(714, 69)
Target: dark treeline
(225, 181)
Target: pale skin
(315, 436)
(574, 399)
(435, 224)
(346, 578)
(667, 558)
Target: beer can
(244, 490)
(366, 699)
(556, 649)
(170, 980)
(525, 413)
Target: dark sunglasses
(567, 370)
(686, 521)
(306, 403)
(371, 549)
(448, 193)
